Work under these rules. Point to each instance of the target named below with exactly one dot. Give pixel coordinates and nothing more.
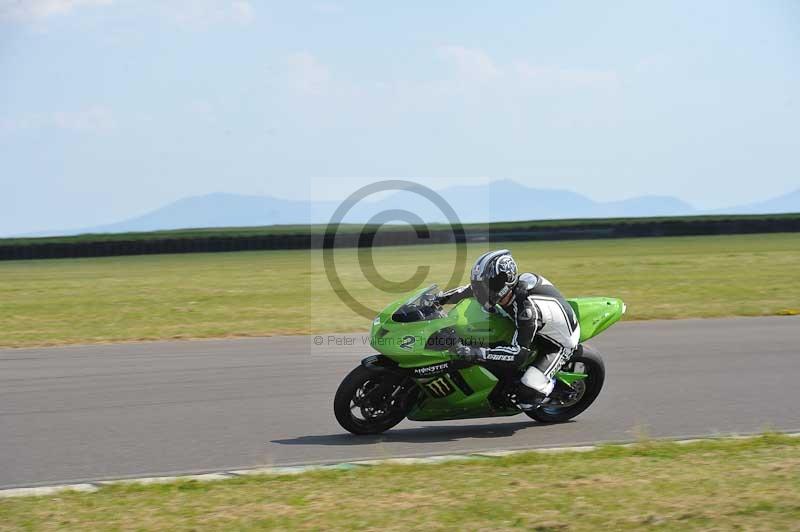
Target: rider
(538, 310)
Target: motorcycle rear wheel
(362, 408)
(594, 367)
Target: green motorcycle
(416, 375)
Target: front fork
(396, 391)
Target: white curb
(420, 460)
(47, 490)
(296, 470)
(205, 477)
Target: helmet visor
(484, 294)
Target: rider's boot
(534, 379)
(533, 389)
(539, 380)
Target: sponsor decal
(563, 359)
(440, 387)
(499, 357)
(507, 266)
(428, 370)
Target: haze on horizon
(113, 108)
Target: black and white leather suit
(538, 310)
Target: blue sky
(110, 108)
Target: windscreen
(421, 307)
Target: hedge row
(590, 230)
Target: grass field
(52, 302)
(718, 485)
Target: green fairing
(569, 378)
(596, 314)
(460, 406)
(405, 343)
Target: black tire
(594, 383)
(360, 379)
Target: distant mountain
(647, 206)
(214, 210)
(507, 200)
(787, 203)
(502, 200)
(497, 201)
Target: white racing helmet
(493, 276)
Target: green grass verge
(51, 302)
(749, 484)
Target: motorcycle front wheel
(371, 402)
(585, 360)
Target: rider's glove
(432, 299)
(469, 352)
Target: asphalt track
(84, 413)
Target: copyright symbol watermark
(366, 240)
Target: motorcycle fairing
(405, 341)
